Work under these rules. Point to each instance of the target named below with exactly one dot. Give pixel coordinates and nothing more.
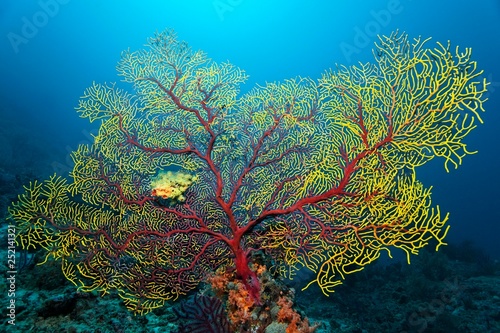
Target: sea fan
(202, 314)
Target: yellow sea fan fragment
(172, 185)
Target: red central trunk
(249, 278)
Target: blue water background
(51, 50)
